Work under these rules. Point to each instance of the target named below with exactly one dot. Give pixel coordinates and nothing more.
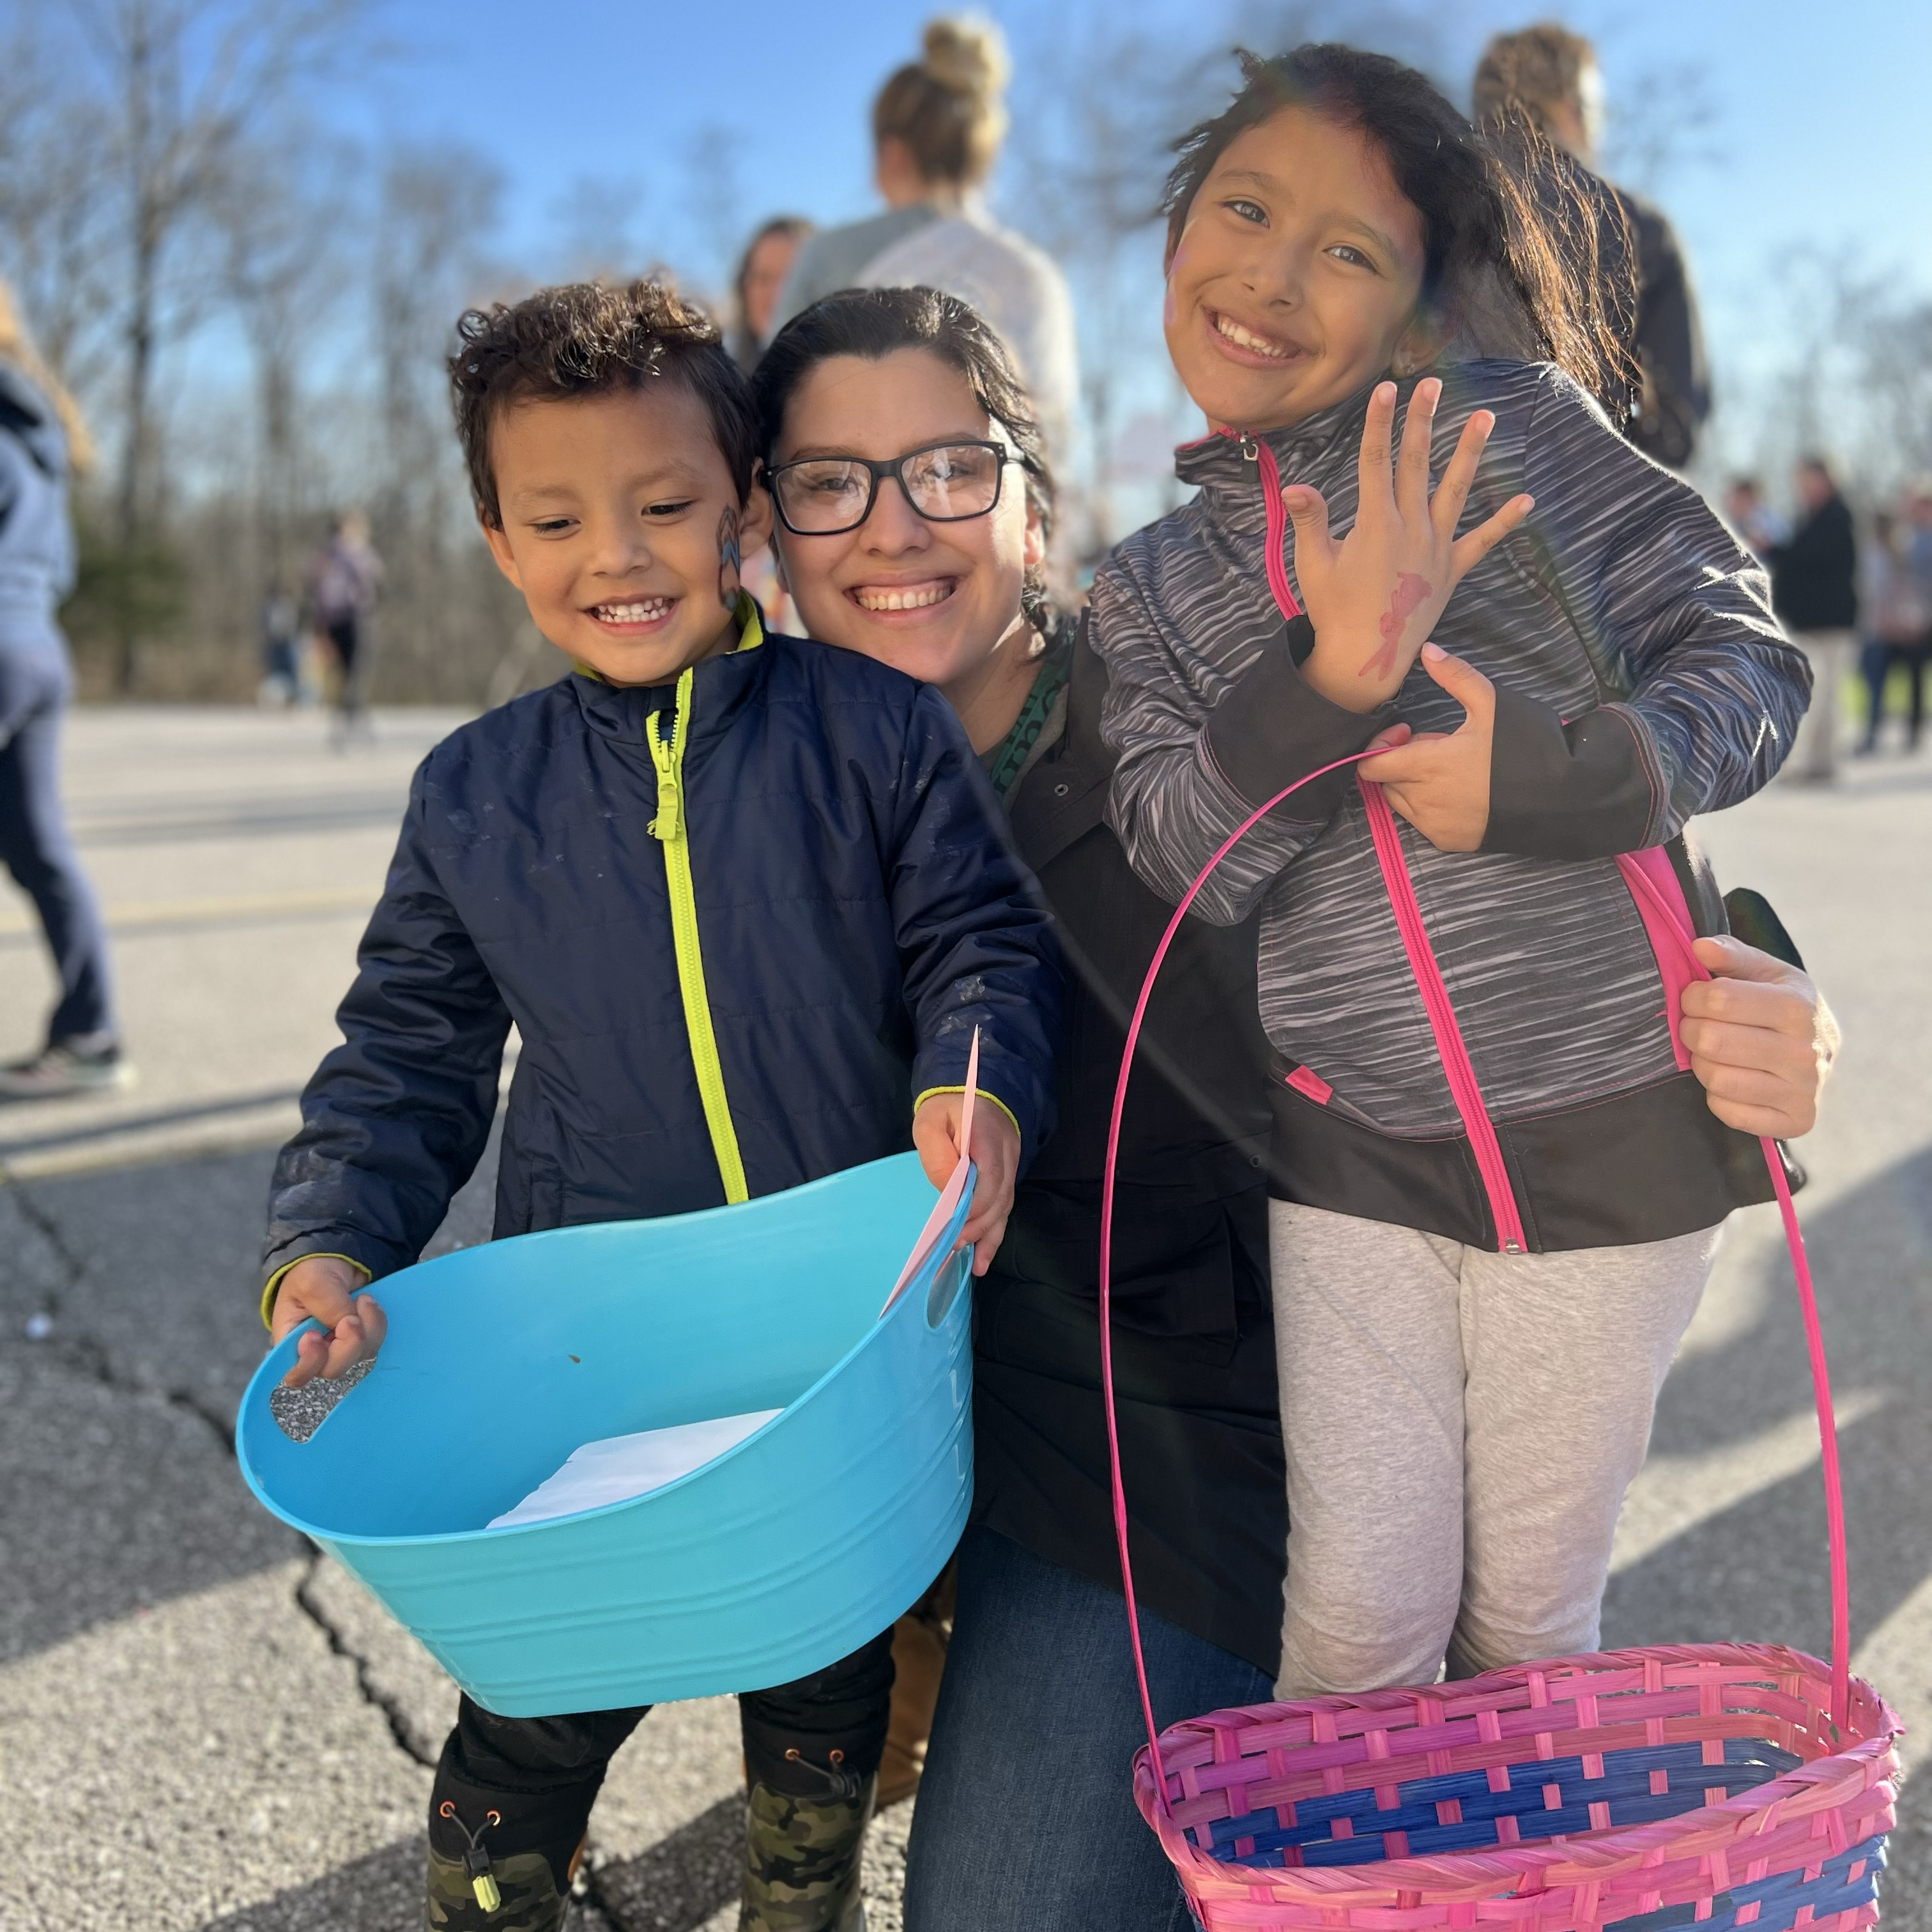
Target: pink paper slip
(955, 1184)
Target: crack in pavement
(81, 1351)
(83, 1355)
(400, 1731)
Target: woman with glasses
(914, 507)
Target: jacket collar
(1216, 462)
(719, 686)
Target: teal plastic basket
(773, 1560)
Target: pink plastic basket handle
(1821, 1387)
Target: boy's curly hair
(588, 339)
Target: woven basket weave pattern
(1626, 1790)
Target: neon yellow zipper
(669, 826)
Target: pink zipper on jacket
(1449, 1047)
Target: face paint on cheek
(728, 559)
(1412, 592)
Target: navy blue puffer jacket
(859, 910)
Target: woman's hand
(1760, 1039)
(995, 1151)
(1440, 782)
(1374, 597)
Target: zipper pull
(1250, 449)
(663, 756)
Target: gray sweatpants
(1460, 1428)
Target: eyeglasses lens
(960, 480)
(829, 495)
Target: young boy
(744, 897)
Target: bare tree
(435, 209)
(715, 202)
(182, 87)
(57, 240)
(281, 268)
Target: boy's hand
(1441, 784)
(1374, 597)
(1760, 1039)
(995, 1149)
(324, 1287)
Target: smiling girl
(1498, 1186)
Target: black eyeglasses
(945, 483)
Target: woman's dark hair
(588, 339)
(1513, 264)
(874, 323)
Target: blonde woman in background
(43, 442)
(937, 127)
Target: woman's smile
(880, 599)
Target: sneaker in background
(57, 1072)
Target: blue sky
(663, 130)
(1818, 136)
(1821, 129)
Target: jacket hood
(27, 415)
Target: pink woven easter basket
(1715, 1785)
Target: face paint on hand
(1412, 592)
(729, 562)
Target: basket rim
(254, 1403)
(1861, 1764)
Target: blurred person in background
(1550, 76)
(343, 577)
(937, 127)
(1754, 520)
(1895, 602)
(42, 443)
(755, 288)
(281, 646)
(1814, 591)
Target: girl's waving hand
(1374, 597)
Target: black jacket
(1675, 398)
(1814, 577)
(1194, 1350)
(859, 914)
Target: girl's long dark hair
(874, 323)
(1513, 232)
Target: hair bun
(967, 54)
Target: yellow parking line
(207, 911)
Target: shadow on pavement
(383, 1892)
(675, 1886)
(1756, 1571)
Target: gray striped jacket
(1641, 676)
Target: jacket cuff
(1271, 728)
(1590, 789)
(978, 1094)
(273, 1285)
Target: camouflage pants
(521, 1789)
